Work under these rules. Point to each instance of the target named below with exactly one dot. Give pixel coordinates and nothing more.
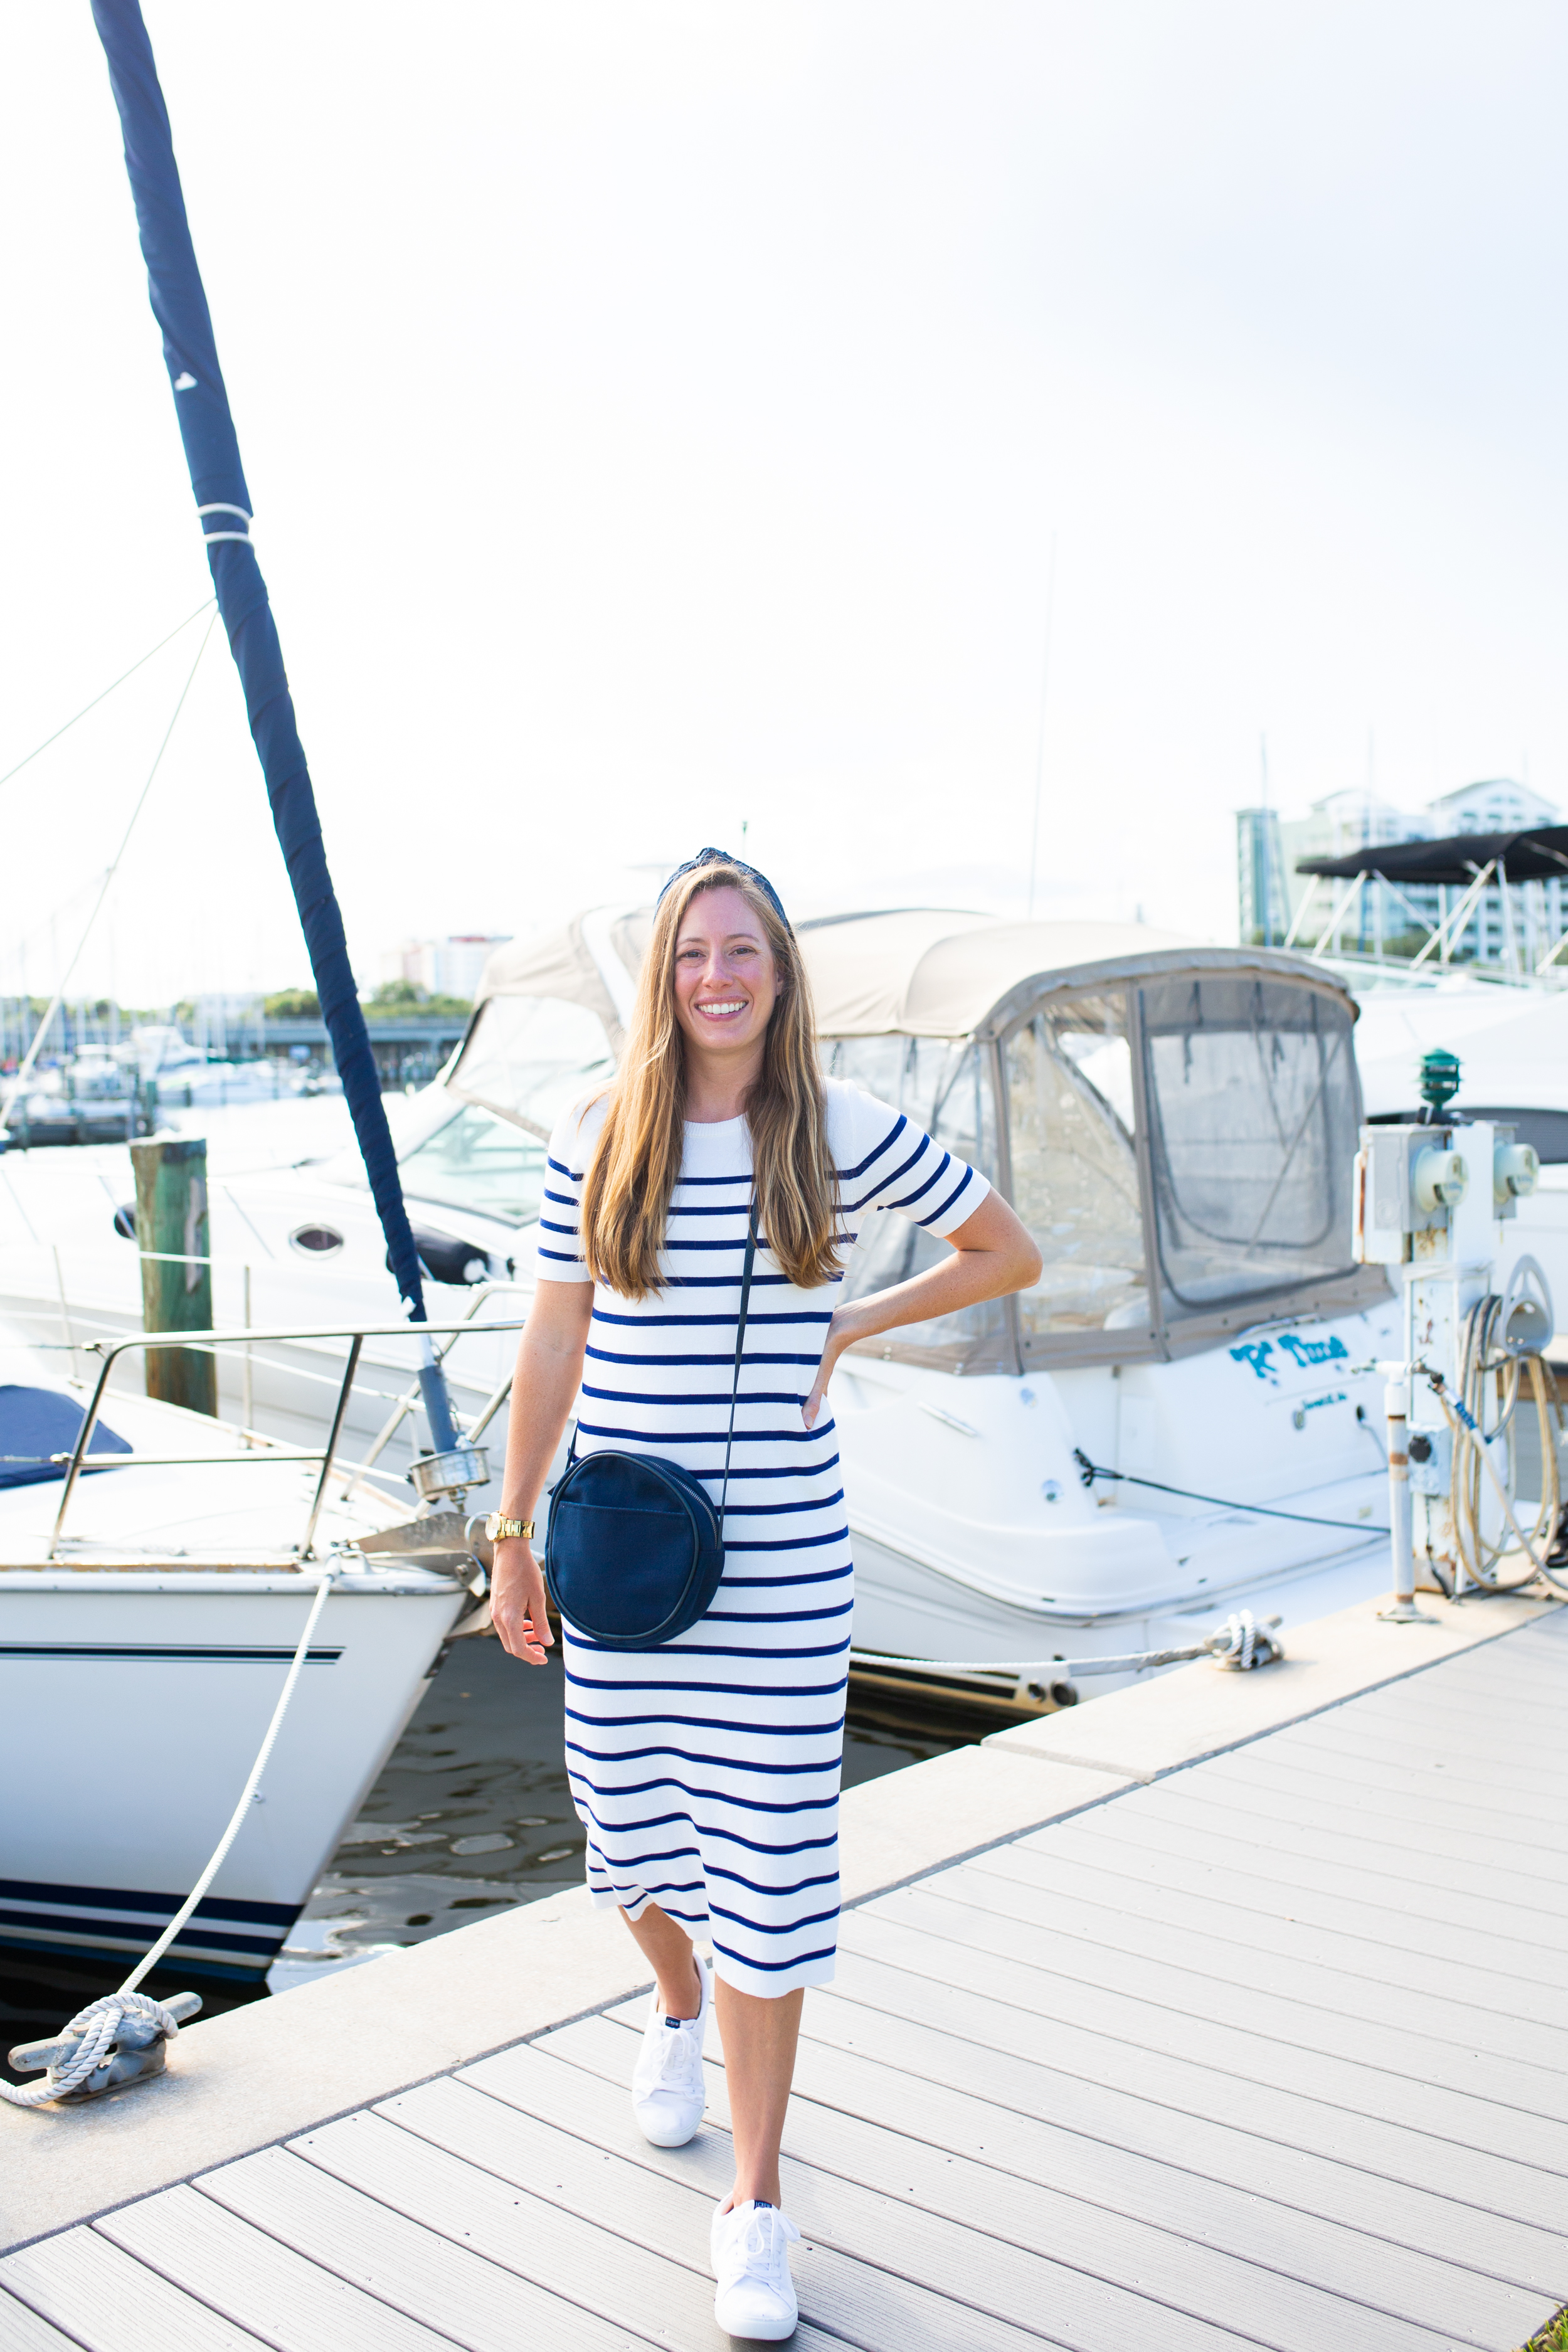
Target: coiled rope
(99, 2023)
(1490, 1385)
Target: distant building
(1334, 826)
(1262, 884)
(1500, 805)
(449, 967)
(1389, 916)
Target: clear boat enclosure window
(481, 1162)
(947, 1090)
(1068, 1075)
(1252, 1110)
(530, 1058)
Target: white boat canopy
(1144, 1100)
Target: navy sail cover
(222, 501)
(37, 1425)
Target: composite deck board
(106, 2301)
(1521, 1843)
(1144, 1999)
(667, 2275)
(1166, 2101)
(259, 2281)
(1421, 1937)
(1243, 1810)
(1528, 1685)
(1189, 2243)
(1005, 1916)
(1311, 1929)
(978, 2113)
(1400, 1797)
(1071, 2034)
(1391, 2125)
(1380, 1746)
(1421, 1725)
(1471, 1700)
(868, 2251)
(986, 2237)
(401, 2258)
(1272, 2052)
(1458, 1741)
(1430, 1900)
(21, 2329)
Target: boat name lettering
(1313, 1352)
(1302, 1352)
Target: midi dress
(706, 1771)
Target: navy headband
(723, 857)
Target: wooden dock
(1266, 2049)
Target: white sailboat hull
(131, 1708)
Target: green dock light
(1440, 1077)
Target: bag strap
(740, 1345)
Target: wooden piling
(177, 1272)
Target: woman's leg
(668, 1948)
(759, 2038)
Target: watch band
(501, 1529)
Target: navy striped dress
(706, 1771)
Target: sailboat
(157, 1566)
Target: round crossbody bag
(634, 1547)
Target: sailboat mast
(223, 503)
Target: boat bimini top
(1175, 1123)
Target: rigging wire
(108, 691)
(26, 1071)
(1040, 747)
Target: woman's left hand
(839, 1336)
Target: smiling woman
(690, 1264)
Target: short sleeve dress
(706, 1771)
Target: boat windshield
(1253, 1108)
(947, 1089)
(1068, 1077)
(481, 1162)
(530, 1058)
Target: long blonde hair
(634, 1171)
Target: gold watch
(500, 1529)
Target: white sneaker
(750, 2262)
(669, 2093)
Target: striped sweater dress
(706, 1771)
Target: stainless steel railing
(111, 1351)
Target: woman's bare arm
(547, 1376)
(992, 1255)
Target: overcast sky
(660, 414)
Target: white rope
(1240, 1641)
(99, 2023)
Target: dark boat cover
(37, 1424)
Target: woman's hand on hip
(839, 1336)
(517, 1601)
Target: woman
(706, 1771)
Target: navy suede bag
(634, 1547)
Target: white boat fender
(120, 2039)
